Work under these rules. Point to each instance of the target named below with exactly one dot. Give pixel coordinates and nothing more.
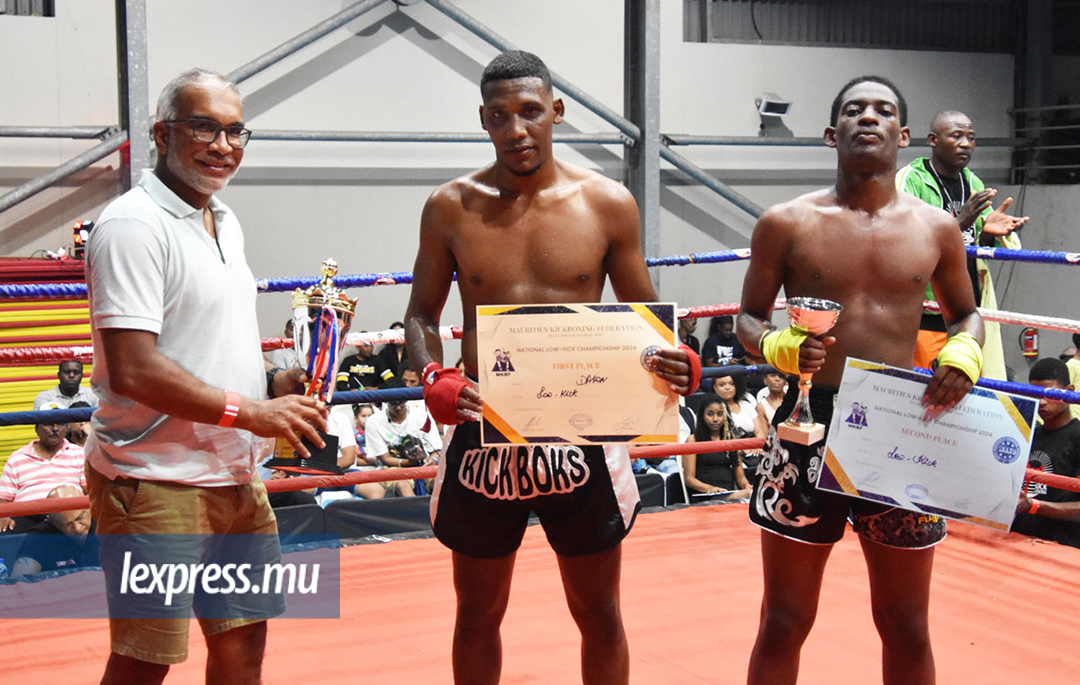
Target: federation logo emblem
(503, 366)
(857, 418)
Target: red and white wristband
(232, 408)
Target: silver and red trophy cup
(815, 316)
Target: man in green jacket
(944, 180)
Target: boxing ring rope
(392, 394)
(84, 353)
(55, 504)
(54, 291)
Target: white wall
(413, 69)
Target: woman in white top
(740, 404)
(776, 385)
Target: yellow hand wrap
(962, 352)
(781, 348)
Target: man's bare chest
(868, 256)
(561, 250)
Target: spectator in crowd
(944, 180)
(401, 437)
(361, 413)
(714, 473)
(285, 357)
(769, 401)
(286, 498)
(33, 471)
(78, 431)
(1073, 365)
(1067, 354)
(667, 466)
(739, 404)
(69, 389)
(741, 407)
(408, 375)
(339, 424)
(687, 326)
(411, 379)
(722, 347)
(363, 370)
(365, 461)
(64, 540)
(394, 354)
(1043, 511)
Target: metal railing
(1051, 154)
(628, 132)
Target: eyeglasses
(207, 131)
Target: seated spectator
(78, 431)
(715, 473)
(286, 498)
(284, 358)
(362, 371)
(667, 466)
(63, 540)
(339, 424)
(410, 378)
(1043, 511)
(69, 390)
(364, 460)
(361, 413)
(33, 471)
(401, 437)
(394, 354)
(769, 400)
(687, 326)
(740, 404)
(722, 347)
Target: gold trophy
(322, 315)
(814, 316)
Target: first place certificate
(967, 464)
(575, 373)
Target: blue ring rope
(15, 418)
(58, 291)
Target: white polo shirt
(151, 266)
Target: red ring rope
(54, 504)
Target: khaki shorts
(128, 508)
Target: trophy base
(320, 463)
(801, 435)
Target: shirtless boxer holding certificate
(527, 229)
(860, 244)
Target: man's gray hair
(166, 104)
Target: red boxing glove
(442, 387)
(695, 369)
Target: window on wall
(962, 25)
(28, 8)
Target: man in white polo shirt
(182, 382)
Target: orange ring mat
(1001, 608)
